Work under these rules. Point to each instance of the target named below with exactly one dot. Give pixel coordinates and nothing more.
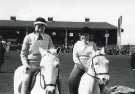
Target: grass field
(120, 71)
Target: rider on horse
(30, 55)
(82, 51)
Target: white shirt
(83, 52)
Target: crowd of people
(2, 51)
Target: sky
(75, 10)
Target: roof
(58, 24)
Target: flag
(119, 31)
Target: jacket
(30, 48)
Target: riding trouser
(74, 79)
(27, 80)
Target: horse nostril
(104, 79)
(51, 92)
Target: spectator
(8, 49)
(2, 52)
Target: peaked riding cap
(40, 20)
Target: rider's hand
(27, 67)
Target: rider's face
(40, 28)
(84, 38)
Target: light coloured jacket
(30, 48)
(82, 53)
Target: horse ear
(58, 50)
(42, 51)
(102, 51)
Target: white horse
(46, 79)
(97, 74)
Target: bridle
(96, 74)
(42, 77)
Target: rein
(94, 68)
(42, 77)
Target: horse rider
(30, 55)
(82, 51)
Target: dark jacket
(2, 50)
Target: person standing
(30, 55)
(2, 53)
(8, 49)
(82, 52)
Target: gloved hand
(26, 66)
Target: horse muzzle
(103, 81)
(50, 90)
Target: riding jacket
(82, 52)
(30, 48)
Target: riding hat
(40, 20)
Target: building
(62, 32)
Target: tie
(40, 37)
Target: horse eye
(107, 61)
(96, 63)
(57, 65)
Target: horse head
(49, 69)
(99, 66)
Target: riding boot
(25, 84)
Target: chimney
(13, 18)
(50, 19)
(87, 19)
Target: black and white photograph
(67, 47)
